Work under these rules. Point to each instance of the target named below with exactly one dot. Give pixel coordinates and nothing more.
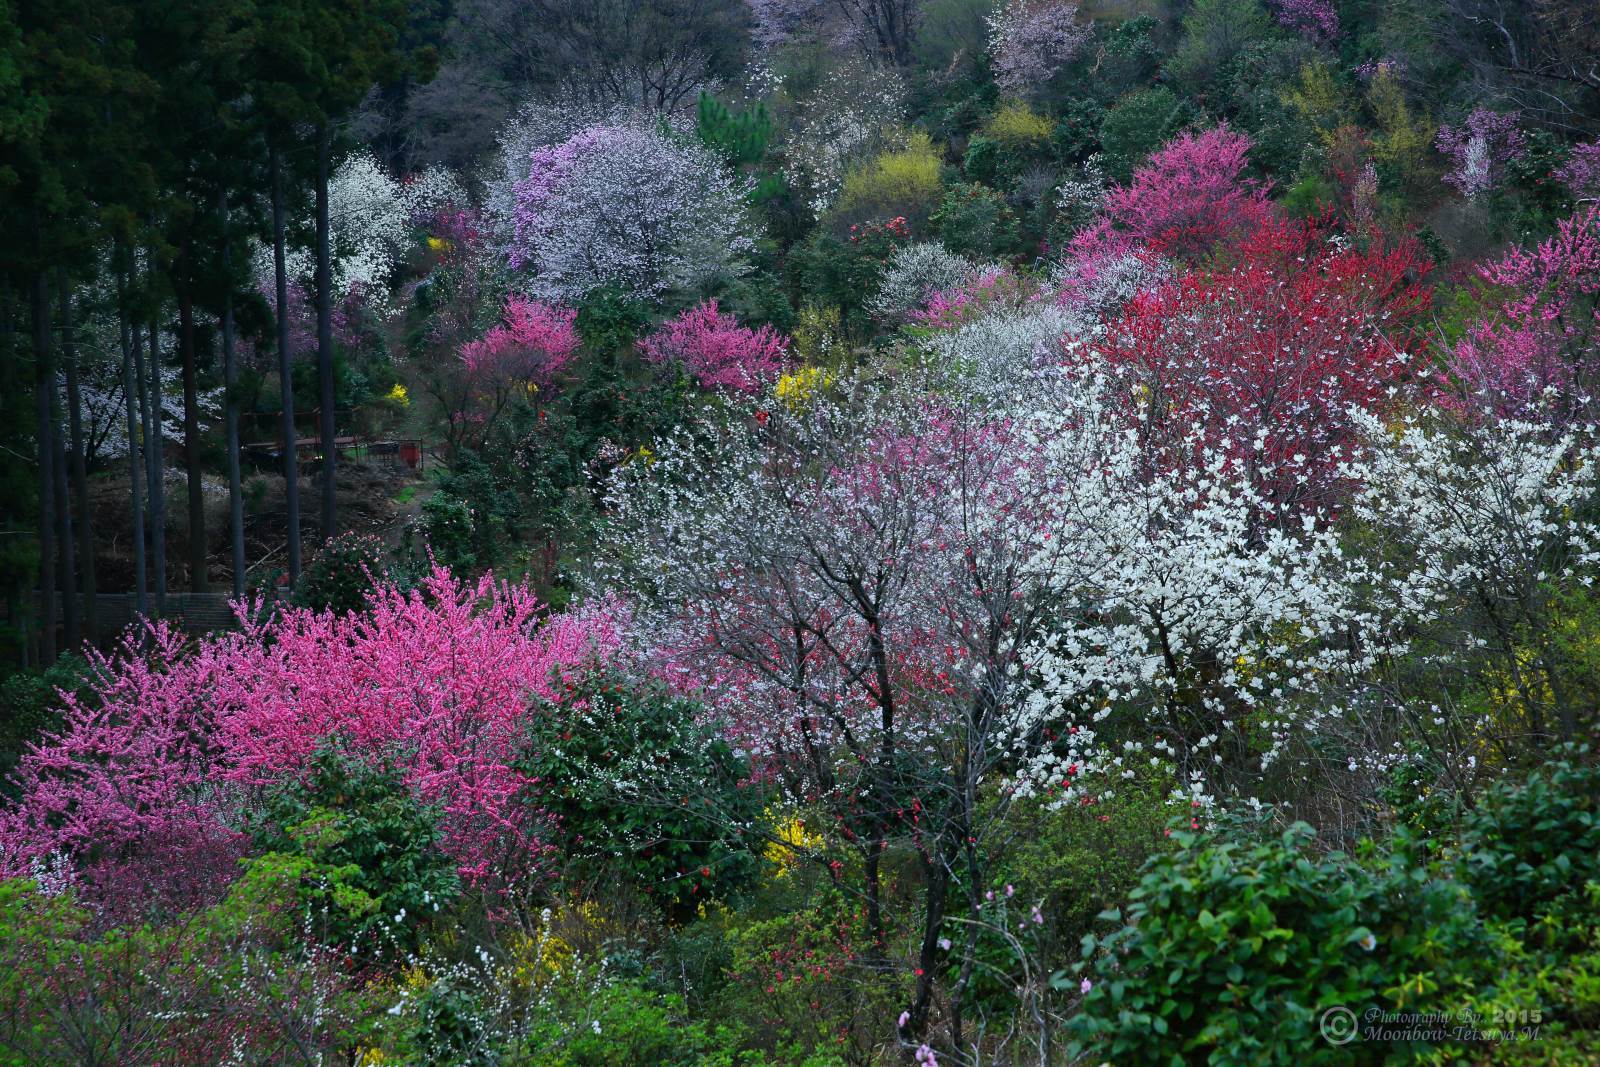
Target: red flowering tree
(716, 351)
(1262, 361)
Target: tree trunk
(231, 408)
(198, 556)
(132, 395)
(156, 464)
(291, 464)
(325, 341)
(71, 618)
(79, 469)
(44, 384)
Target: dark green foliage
(644, 793)
(385, 878)
(1138, 124)
(342, 574)
(1528, 844)
(1223, 934)
(976, 221)
(1077, 133)
(843, 272)
(30, 705)
(609, 319)
(448, 533)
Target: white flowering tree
(627, 204)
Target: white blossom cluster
(846, 120)
(914, 272)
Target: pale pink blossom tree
(1479, 149)
(1030, 40)
(1538, 354)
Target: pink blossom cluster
(990, 290)
(1479, 149)
(1581, 173)
(716, 351)
(1542, 344)
(144, 784)
(1186, 199)
(534, 343)
(1313, 19)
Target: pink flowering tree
(716, 351)
(137, 793)
(1581, 173)
(1479, 149)
(1315, 20)
(520, 357)
(1538, 354)
(1187, 198)
(120, 797)
(1030, 40)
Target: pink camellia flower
(905, 1017)
(1085, 986)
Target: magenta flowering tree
(716, 351)
(627, 205)
(522, 355)
(1315, 20)
(118, 798)
(1187, 198)
(1479, 149)
(1030, 40)
(1538, 356)
(136, 794)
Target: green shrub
(1230, 953)
(32, 705)
(643, 792)
(1138, 124)
(1530, 843)
(342, 574)
(624, 1023)
(975, 221)
(378, 876)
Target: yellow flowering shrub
(796, 389)
(1015, 123)
(398, 395)
(793, 840)
(904, 181)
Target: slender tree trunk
(291, 459)
(147, 440)
(71, 618)
(80, 473)
(231, 409)
(198, 556)
(133, 393)
(12, 396)
(44, 385)
(156, 463)
(325, 341)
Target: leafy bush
(342, 574)
(625, 1023)
(644, 792)
(1223, 934)
(32, 703)
(1530, 843)
(377, 875)
(975, 221)
(1138, 124)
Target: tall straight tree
(325, 394)
(77, 460)
(130, 398)
(44, 374)
(156, 465)
(230, 387)
(280, 275)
